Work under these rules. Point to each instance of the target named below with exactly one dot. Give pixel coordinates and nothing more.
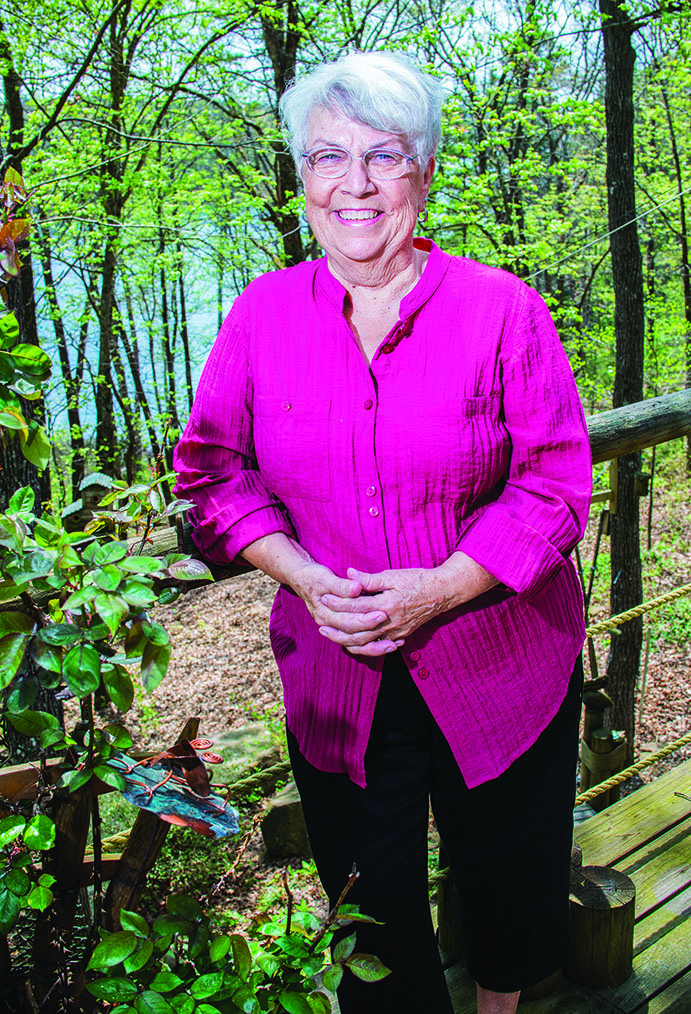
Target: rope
(115, 843)
(630, 614)
(629, 772)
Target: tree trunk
(629, 323)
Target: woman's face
(355, 218)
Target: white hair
(382, 90)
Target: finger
(348, 605)
(341, 587)
(353, 623)
(370, 582)
(375, 648)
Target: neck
(378, 282)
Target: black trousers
(508, 842)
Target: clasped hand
(372, 614)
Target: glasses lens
(383, 164)
(329, 161)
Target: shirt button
(387, 349)
(369, 403)
(285, 405)
(374, 511)
(415, 656)
(371, 491)
(423, 673)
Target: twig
(289, 897)
(220, 884)
(333, 914)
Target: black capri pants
(508, 843)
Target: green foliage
(22, 884)
(183, 958)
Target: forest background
(159, 185)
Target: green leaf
(96, 631)
(219, 948)
(344, 948)
(46, 656)
(36, 447)
(112, 989)
(246, 1000)
(107, 578)
(110, 552)
(31, 359)
(140, 956)
(12, 648)
(110, 777)
(199, 940)
(119, 686)
(166, 925)
(81, 669)
(165, 982)
(143, 565)
(242, 957)
(10, 829)
(190, 570)
(39, 833)
(22, 693)
(138, 594)
(34, 723)
(294, 1003)
(155, 633)
(183, 1004)
(331, 977)
(149, 1002)
(74, 779)
(182, 905)
(118, 736)
(112, 609)
(154, 664)
(135, 642)
(9, 330)
(367, 967)
(81, 597)
(319, 1002)
(10, 906)
(113, 949)
(15, 623)
(206, 985)
(60, 634)
(268, 963)
(17, 881)
(135, 922)
(39, 898)
(47, 880)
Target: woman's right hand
(312, 581)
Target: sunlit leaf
(82, 670)
(12, 648)
(113, 949)
(39, 898)
(39, 833)
(154, 664)
(367, 967)
(119, 686)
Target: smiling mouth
(363, 215)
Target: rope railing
(645, 607)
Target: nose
(357, 181)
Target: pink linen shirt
(464, 433)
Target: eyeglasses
(379, 163)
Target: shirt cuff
(225, 547)
(517, 555)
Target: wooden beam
(644, 424)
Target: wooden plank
(643, 424)
(676, 999)
(19, 781)
(611, 836)
(662, 952)
(661, 870)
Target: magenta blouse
(464, 433)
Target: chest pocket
(291, 439)
(458, 449)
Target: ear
(427, 179)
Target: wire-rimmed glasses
(379, 163)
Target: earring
(422, 217)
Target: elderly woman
(394, 435)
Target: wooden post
(602, 758)
(603, 905)
(141, 852)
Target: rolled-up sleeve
(525, 535)
(215, 460)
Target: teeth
(357, 216)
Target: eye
(328, 158)
(380, 158)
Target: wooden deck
(647, 835)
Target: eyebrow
(334, 144)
